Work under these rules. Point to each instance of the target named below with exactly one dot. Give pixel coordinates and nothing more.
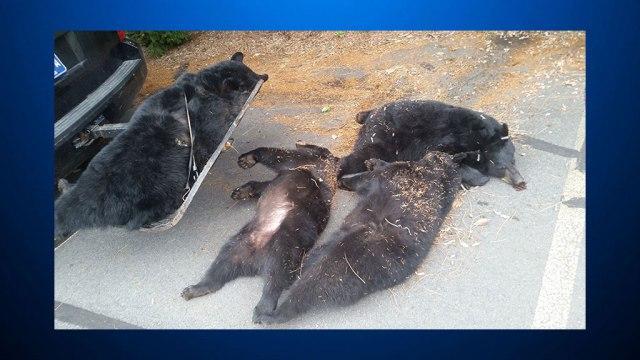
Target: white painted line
(66, 241)
(556, 293)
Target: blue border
(27, 157)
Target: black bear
(141, 176)
(382, 241)
(406, 130)
(293, 210)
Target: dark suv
(97, 75)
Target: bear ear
(505, 129)
(362, 116)
(237, 57)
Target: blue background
(27, 171)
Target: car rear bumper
(112, 99)
(88, 110)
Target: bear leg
(233, 261)
(473, 177)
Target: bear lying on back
(292, 211)
(406, 130)
(140, 177)
(382, 241)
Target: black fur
(406, 130)
(382, 241)
(140, 176)
(293, 209)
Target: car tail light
(121, 35)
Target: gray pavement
(495, 275)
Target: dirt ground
(346, 72)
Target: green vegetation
(158, 42)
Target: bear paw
(247, 160)
(265, 318)
(195, 291)
(244, 192)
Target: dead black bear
(292, 211)
(140, 176)
(406, 130)
(382, 241)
